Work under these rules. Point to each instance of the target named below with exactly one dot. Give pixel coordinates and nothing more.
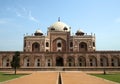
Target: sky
(19, 17)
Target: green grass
(112, 77)
(5, 77)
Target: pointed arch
(70, 61)
(47, 44)
(59, 61)
(26, 61)
(48, 61)
(93, 61)
(37, 62)
(71, 44)
(103, 61)
(115, 61)
(59, 44)
(6, 62)
(83, 46)
(35, 47)
(81, 61)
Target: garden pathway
(82, 78)
(52, 78)
(36, 78)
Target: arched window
(25, 44)
(59, 44)
(93, 61)
(37, 62)
(83, 46)
(93, 44)
(47, 44)
(71, 44)
(104, 61)
(6, 62)
(70, 61)
(82, 61)
(59, 61)
(115, 61)
(48, 62)
(26, 62)
(35, 47)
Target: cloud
(18, 14)
(24, 13)
(32, 18)
(21, 12)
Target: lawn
(5, 77)
(112, 77)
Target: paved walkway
(52, 78)
(36, 78)
(81, 78)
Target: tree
(15, 63)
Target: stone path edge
(57, 78)
(61, 78)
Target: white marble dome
(59, 26)
(80, 31)
(38, 31)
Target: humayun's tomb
(59, 50)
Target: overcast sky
(18, 17)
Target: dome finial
(58, 19)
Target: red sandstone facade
(61, 49)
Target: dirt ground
(38, 77)
(82, 78)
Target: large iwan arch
(59, 44)
(59, 61)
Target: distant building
(61, 49)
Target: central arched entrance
(59, 61)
